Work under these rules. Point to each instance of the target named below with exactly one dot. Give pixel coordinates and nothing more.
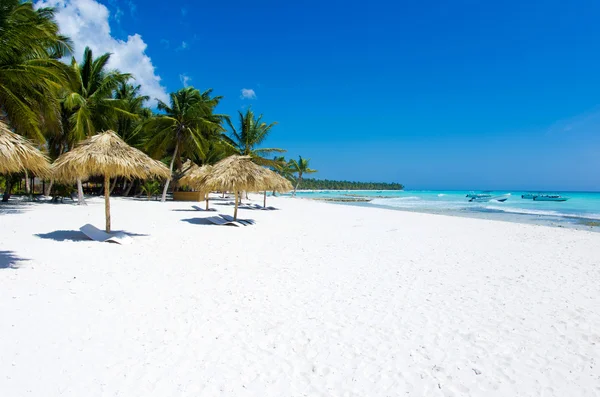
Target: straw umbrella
(18, 154)
(106, 154)
(276, 183)
(236, 173)
(193, 179)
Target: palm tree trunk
(48, 189)
(112, 188)
(27, 184)
(9, 184)
(265, 200)
(107, 202)
(80, 198)
(206, 198)
(236, 206)
(297, 184)
(126, 194)
(164, 194)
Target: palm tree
(300, 168)
(89, 105)
(186, 123)
(30, 70)
(252, 132)
(134, 103)
(128, 128)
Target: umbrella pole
(206, 198)
(265, 200)
(236, 205)
(107, 201)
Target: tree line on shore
(326, 184)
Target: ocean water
(582, 208)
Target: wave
(441, 195)
(524, 211)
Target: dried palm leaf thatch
(194, 175)
(279, 184)
(108, 155)
(18, 154)
(237, 174)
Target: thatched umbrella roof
(236, 173)
(18, 154)
(194, 176)
(275, 183)
(106, 154)
(278, 183)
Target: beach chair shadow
(63, 235)
(8, 260)
(244, 222)
(260, 207)
(211, 221)
(89, 232)
(196, 208)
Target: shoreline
(561, 221)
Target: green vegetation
(325, 184)
(299, 168)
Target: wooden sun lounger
(99, 235)
(245, 222)
(220, 221)
(202, 209)
(260, 207)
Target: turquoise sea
(582, 208)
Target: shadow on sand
(76, 235)
(195, 210)
(14, 207)
(199, 221)
(8, 260)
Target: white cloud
(185, 79)
(86, 23)
(248, 93)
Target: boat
(529, 196)
(550, 197)
(485, 197)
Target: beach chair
(93, 233)
(245, 222)
(221, 221)
(202, 209)
(260, 207)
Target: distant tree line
(326, 184)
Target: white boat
(550, 197)
(485, 197)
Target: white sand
(315, 300)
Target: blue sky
(432, 94)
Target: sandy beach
(316, 299)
